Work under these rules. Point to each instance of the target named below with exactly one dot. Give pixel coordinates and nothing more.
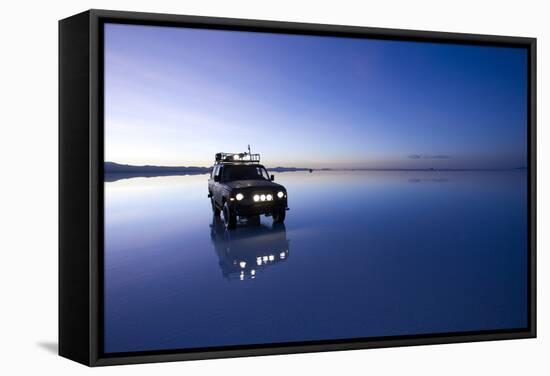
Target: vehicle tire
(229, 217)
(279, 216)
(215, 209)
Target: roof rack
(238, 157)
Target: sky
(176, 96)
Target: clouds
(429, 156)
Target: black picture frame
(81, 185)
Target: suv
(239, 186)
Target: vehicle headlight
(256, 198)
(280, 194)
(262, 197)
(269, 197)
(239, 196)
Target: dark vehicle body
(239, 186)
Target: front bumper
(247, 209)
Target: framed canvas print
(238, 187)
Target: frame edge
(96, 359)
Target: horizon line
(338, 168)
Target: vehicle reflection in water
(249, 249)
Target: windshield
(246, 172)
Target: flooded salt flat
(361, 254)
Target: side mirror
(272, 177)
(216, 178)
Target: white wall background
(28, 206)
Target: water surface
(361, 254)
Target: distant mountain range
(116, 171)
(112, 168)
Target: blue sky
(176, 96)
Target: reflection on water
(248, 250)
(373, 254)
